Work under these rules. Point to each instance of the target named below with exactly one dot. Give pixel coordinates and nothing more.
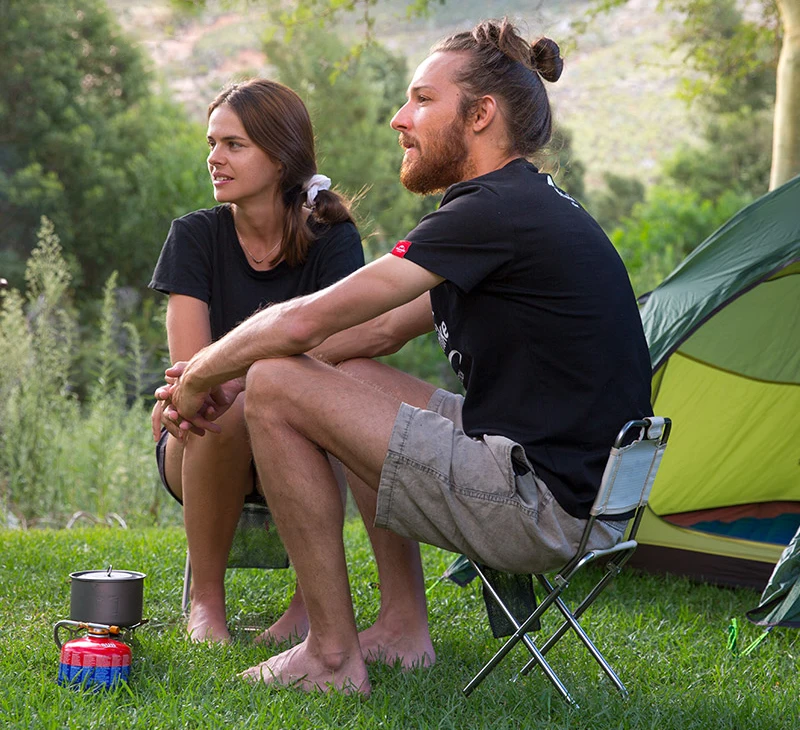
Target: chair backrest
(632, 466)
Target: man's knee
(358, 367)
(267, 383)
(277, 384)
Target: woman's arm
(188, 326)
(188, 331)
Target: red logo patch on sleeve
(401, 248)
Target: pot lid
(108, 574)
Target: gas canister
(94, 660)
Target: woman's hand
(166, 411)
(177, 396)
(156, 417)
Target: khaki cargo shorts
(476, 496)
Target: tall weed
(59, 456)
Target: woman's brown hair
(276, 119)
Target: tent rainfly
(724, 336)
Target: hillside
(617, 93)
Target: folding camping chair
(625, 489)
(256, 544)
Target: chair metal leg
(546, 668)
(187, 584)
(520, 635)
(571, 617)
(571, 621)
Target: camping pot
(111, 597)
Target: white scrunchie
(313, 185)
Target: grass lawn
(666, 637)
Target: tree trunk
(786, 134)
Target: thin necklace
(255, 260)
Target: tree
(786, 136)
(733, 156)
(616, 202)
(351, 106)
(706, 182)
(667, 226)
(559, 160)
(84, 141)
(725, 57)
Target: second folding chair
(256, 544)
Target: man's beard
(444, 163)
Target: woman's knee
(233, 434)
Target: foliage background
(663, 132)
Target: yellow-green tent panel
(694, 544)
(727, 441)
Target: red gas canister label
(94, 662)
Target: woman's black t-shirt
(202, 258)
(538, 320)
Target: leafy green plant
(37, 342)
(58, 455)
(665, 228)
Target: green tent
(724, 337)
(780, 601)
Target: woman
(279, 232)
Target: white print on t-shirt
(561, 192)
(454, 356)
(442, 335)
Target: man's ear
(485, 111)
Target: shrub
(58, 455)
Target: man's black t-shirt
(202, 258)
(538, 320)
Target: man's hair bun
(499, 62)
(546, 59)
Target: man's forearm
(388, 286)
(382, 335)
(268, 333)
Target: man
(537, 317)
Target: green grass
(666, 637)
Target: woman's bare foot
(298, 667)
(379, 645)
(291, 626)
(207, 625)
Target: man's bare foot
(298, 668)
(207, 626)
(381, 646)
(292, 626)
